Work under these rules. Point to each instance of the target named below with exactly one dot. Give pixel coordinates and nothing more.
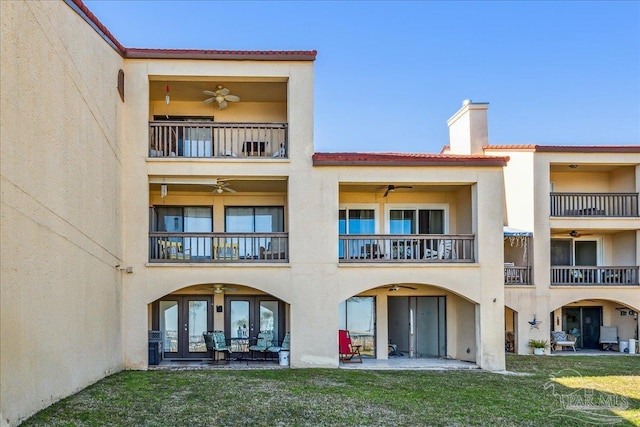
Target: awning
(514, 232)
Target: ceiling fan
(221, 96)
(394, 288)
(218, 289)
(222, 186)
(391, 188)
(575, 233)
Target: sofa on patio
(562, 339)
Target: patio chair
(284, 345)
(608, 337)
(346, 349)
(562, 339)
(262, 344)
(276, 249)
(216, 343)
(445, 251)
(170, 249)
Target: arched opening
(411, 321)
(597, 324)
(178, 320)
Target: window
(255, 219)
(416, 221)
(357, 315)
(355, 220)
(268, 219)
(182, 219)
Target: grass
(327, 397)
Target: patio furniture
(172, 250)
(562, 339)
(276, 249)
(445, 251)
(285, 345)
(608, 337)
(346, 349)
(370, 251)
(216, 343)
(263, 342)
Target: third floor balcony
(208, 139)
(594, 204)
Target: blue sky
(388, 75)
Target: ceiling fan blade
(230, 190)
(209, 100)
(232, 98)
(222, 105)
(402, 186)
(208, 92)
(386, 193)
(224, 91)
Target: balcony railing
(515, 275)
(594, 204)
(403, 248)
(218, 247)
(218, 140)
(598, 276)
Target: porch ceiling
(241, 186)
(379, 188)
(190, 91)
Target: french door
(183, 319)
(246, 316)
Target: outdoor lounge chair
(608, 337)
(346, 349)
(285, 345)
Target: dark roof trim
(79, 7)
(400, 159)
(243, 55)
(569, 148)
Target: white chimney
(468, 131)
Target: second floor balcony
(594, 276)
(167, 247)
(208, 139)
(406, 248)
(594, 204)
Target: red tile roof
(266, 55)
(569, 148)
(405, 159)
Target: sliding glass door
(185, 219)
(254, 219)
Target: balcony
(403, 248)
(594, 276)
(594, 204)
(207, 139)
(516, 275)
(218, 247)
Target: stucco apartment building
(129, 204)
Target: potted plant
(538, 346)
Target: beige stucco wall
(527, 185)
(60, 231)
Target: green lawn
(318, 397)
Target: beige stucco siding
(60, 230)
